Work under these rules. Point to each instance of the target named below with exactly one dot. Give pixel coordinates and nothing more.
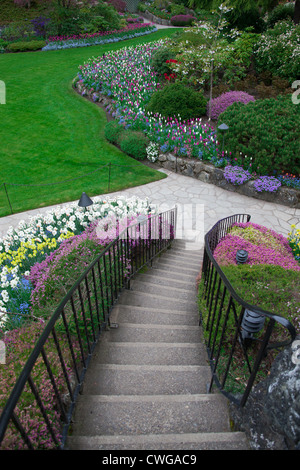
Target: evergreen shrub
(176, 98)
(267, 131)
(134, 144)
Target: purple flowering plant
(267, 183)
(264, 246)
(236, 175)
(221, 103)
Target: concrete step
(114, 379)
(150, 414)
(180, 441)
(183, 268)
(153, 276)
(140, 333)
(144, 299)
(130, 314)
(112, 352)
(162, 289)
(183, 259)
(172, 271)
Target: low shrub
(25, 46)
(113, 131)
(182, 20)
(221, 103)
(177, 9)
(134, 143)
(267, 131)
(159, 58)
(175, 99)
(276, 51)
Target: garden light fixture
(85, 201)
(223, 128)
(252, 322)
(241, 256)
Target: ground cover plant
(42, 144)
(269, 279)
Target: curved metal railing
(38, 412)
(237, 357)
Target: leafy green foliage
(266, 131)
(134, 143)
(112, 131)
(25, 46)
(175, 99)
(277, 51)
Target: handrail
(85, 308)
(225, 307)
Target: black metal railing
(37, 414)
(238, 359)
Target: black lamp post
(252, 322)
(223, 128)
(85, 201)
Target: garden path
(200, 206)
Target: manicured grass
(50, 134)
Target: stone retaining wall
(207, 173)
(155, 19)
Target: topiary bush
(134, 143)
(267, 131)
(113, 131)
(221, 103)
(176, 98)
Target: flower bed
(126, 81)
(36, 241)
(102, 37)
(270, 278)
(264, 246)
(127, 78)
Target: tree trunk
(297, 12)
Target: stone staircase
(146, 386)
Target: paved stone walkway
(200, 205)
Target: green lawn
(50, 134)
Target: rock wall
(207, 173)
(271, 416)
